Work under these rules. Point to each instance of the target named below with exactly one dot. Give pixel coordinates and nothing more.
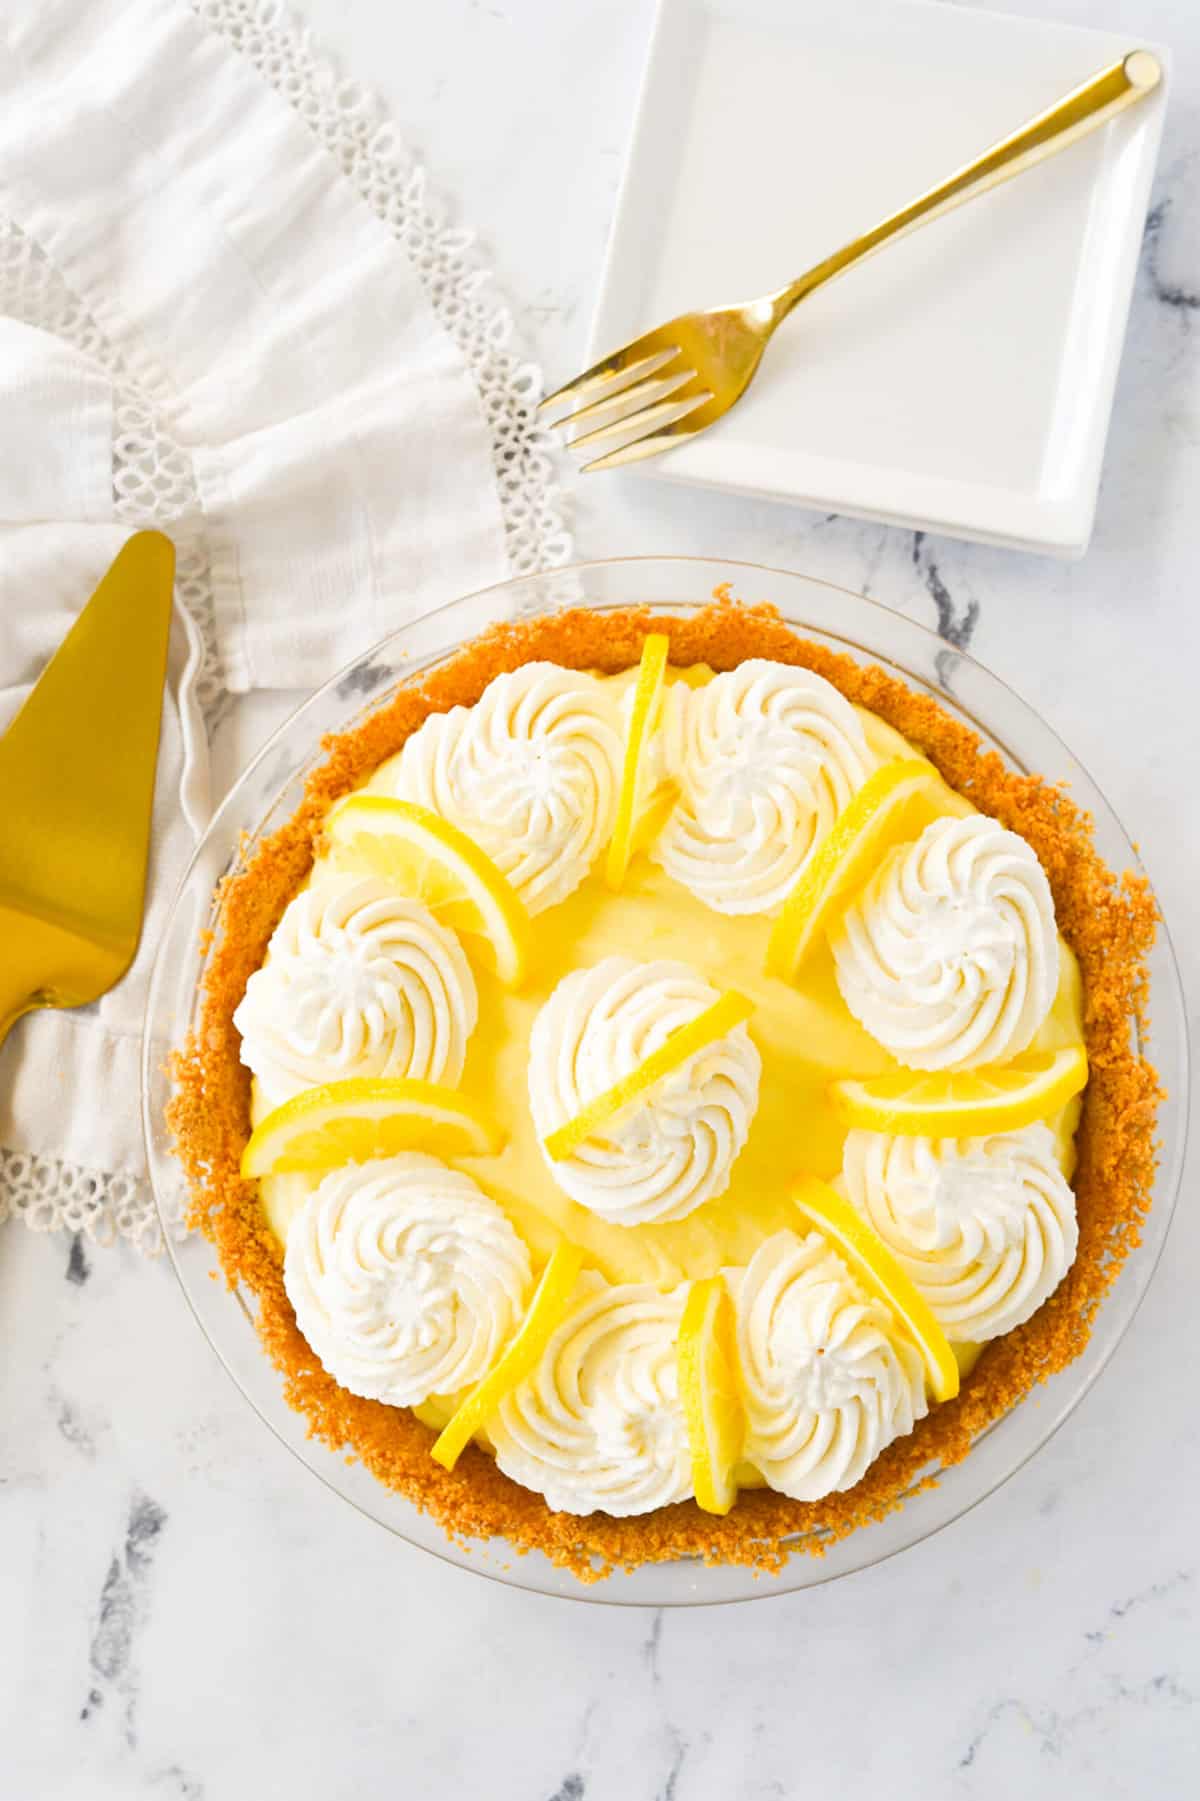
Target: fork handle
(1048, 132)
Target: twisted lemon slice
(966, 1103)
(708, 1388)
(434, 862)
(870, 1261)
(365, 1117)
(546, 1309)
(729, 1011)
(647, 695)
(845, 858)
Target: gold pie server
(680, 378)
(76, 789)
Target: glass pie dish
(270, 792)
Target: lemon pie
(668, 1089)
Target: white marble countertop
(185, 1613)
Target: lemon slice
(653, 816)
(877, 1270)
(368, 1116)
(643, 716)
(963, 1103)
(708, 1388)
(729, 1011)
(519, 1357)
(844, 859)
(431, 860)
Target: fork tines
(613, 374)
(633, 398)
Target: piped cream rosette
(765, 757)
(358, 981)
(674, 1147)
(949, 958)
(827, 1380)
(599, 1423)
(406, 1279)
(530, 773)
(985, 1227)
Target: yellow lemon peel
(550, 1300)
(709, 1390)
(844, 859)
(643, 717)
(964, 1103)
(715, 1022)
(427, 857)
(365, 1117)
(873, 1265)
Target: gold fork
(681, 377)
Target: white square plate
(962, 379)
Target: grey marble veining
(184, 1612)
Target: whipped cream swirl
(358, 981)
(765, 757)
(673, 1147)
(405, 1278)
(599, 1423)
(827, 1381)
(530, 772)
(949, 957)
(984, 1226)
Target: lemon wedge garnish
(367, 1116)
(550, 1300)
(643, 717)
(964, 1103)
(845, 858)
(654, 816)
(708, 1388)
(729, 1011)
(434, 862)
(876, 1269)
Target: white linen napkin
(337, 438)
(341, 476)
(69, 1081)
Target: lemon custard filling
(410, 1273)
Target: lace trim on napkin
(51, 1196)
(153, 481)
(154, 484)
(351, 123)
